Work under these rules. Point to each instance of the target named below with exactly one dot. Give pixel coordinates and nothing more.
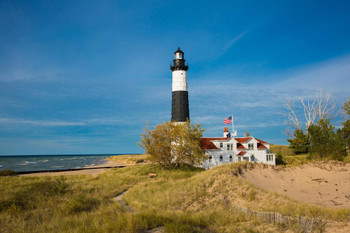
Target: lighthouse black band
(180, 111)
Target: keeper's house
(231, 149)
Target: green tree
(344, 132)
(346, 107)
(300, 142)
(325, 143)
(174, 144)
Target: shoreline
(91, 170)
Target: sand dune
(322, 183)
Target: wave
(57, 166)
(69, 158)
(43, 161)
(27, 162)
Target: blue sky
(85, 76)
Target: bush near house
(174, 144)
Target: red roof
(240, 146)
(212, 139)
(207, 144)
(261, 147)
(242, 140)
(261, 141)
(241, 153)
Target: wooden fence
(303, 224)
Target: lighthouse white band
(179, 80)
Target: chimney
(226, 134)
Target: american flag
(228, 120)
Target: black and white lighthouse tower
(179, 111)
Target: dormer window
(251, 146)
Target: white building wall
(254, 155)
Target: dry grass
(282, 150)
(129, 159)
(220, 187)
(181, 200)
(289, 158)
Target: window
(230, 158)
(246, 158)
(269, 157)
(221, 159)
(228, 146)
(231, 146)
(221, 145)
(180, 55)
(251, 146)
(210, 158)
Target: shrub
(300, 142)
(174, 144)
(325, 143)
(7, 172)
(279, 160)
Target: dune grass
(288, 157)
(7, 172)
(129, 159)
(180, 200)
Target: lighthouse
(180, 110)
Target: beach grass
(289, 158)
(7, 172)
(129, 159)
(179, 199)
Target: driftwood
(152, 175)
(304, 224)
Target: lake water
(50, 162)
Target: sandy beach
(93, 172)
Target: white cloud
(332, 76)
(18, 74)
(39, 122)
(234, 40)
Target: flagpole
(232, 126)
